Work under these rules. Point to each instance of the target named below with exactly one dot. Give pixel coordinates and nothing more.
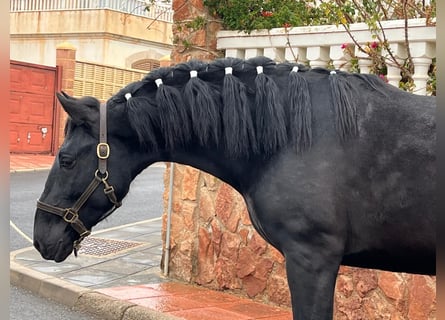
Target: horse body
(357, 189)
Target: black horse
(335, 168)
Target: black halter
(71, 215)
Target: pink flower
(344, 45)
(374, 45)
(383, 77)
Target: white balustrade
(340, 59)
(318, 46)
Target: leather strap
(68, 215)
(103, 149)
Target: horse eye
(66, 161)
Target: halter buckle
(70, 216)
(103, 150)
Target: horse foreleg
(312, 285)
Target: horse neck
(237, 172)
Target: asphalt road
(144, 201)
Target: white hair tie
(128, 96)
(158, 82)
(295, 69)
(259, 69)
(193, 74)
(333, 72)
(229, 70)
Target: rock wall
(194, 31)
(213, 244)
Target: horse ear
(80, 110)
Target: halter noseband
(71, 215)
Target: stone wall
(194, 31)
(213, 244)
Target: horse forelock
(232, 103)
(68, 127)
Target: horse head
(87, 180)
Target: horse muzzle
(58, 253)
(55, 242)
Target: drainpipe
(169, 214)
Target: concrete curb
(77, 297)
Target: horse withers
(335, 168)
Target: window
(145, 64)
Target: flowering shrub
(375, 54)
(431, 83)
(267, 14)
(261, 14)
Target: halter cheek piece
(71, 215)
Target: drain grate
(103, 247)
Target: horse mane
(235, 104)
(344, 108)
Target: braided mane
(247, 107)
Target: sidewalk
(29, 162)
(117, 275)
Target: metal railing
(162, 12)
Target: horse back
(374, 195)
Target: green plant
(197, 23)
(431, 83)
(259, 14)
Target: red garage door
(32, 105)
